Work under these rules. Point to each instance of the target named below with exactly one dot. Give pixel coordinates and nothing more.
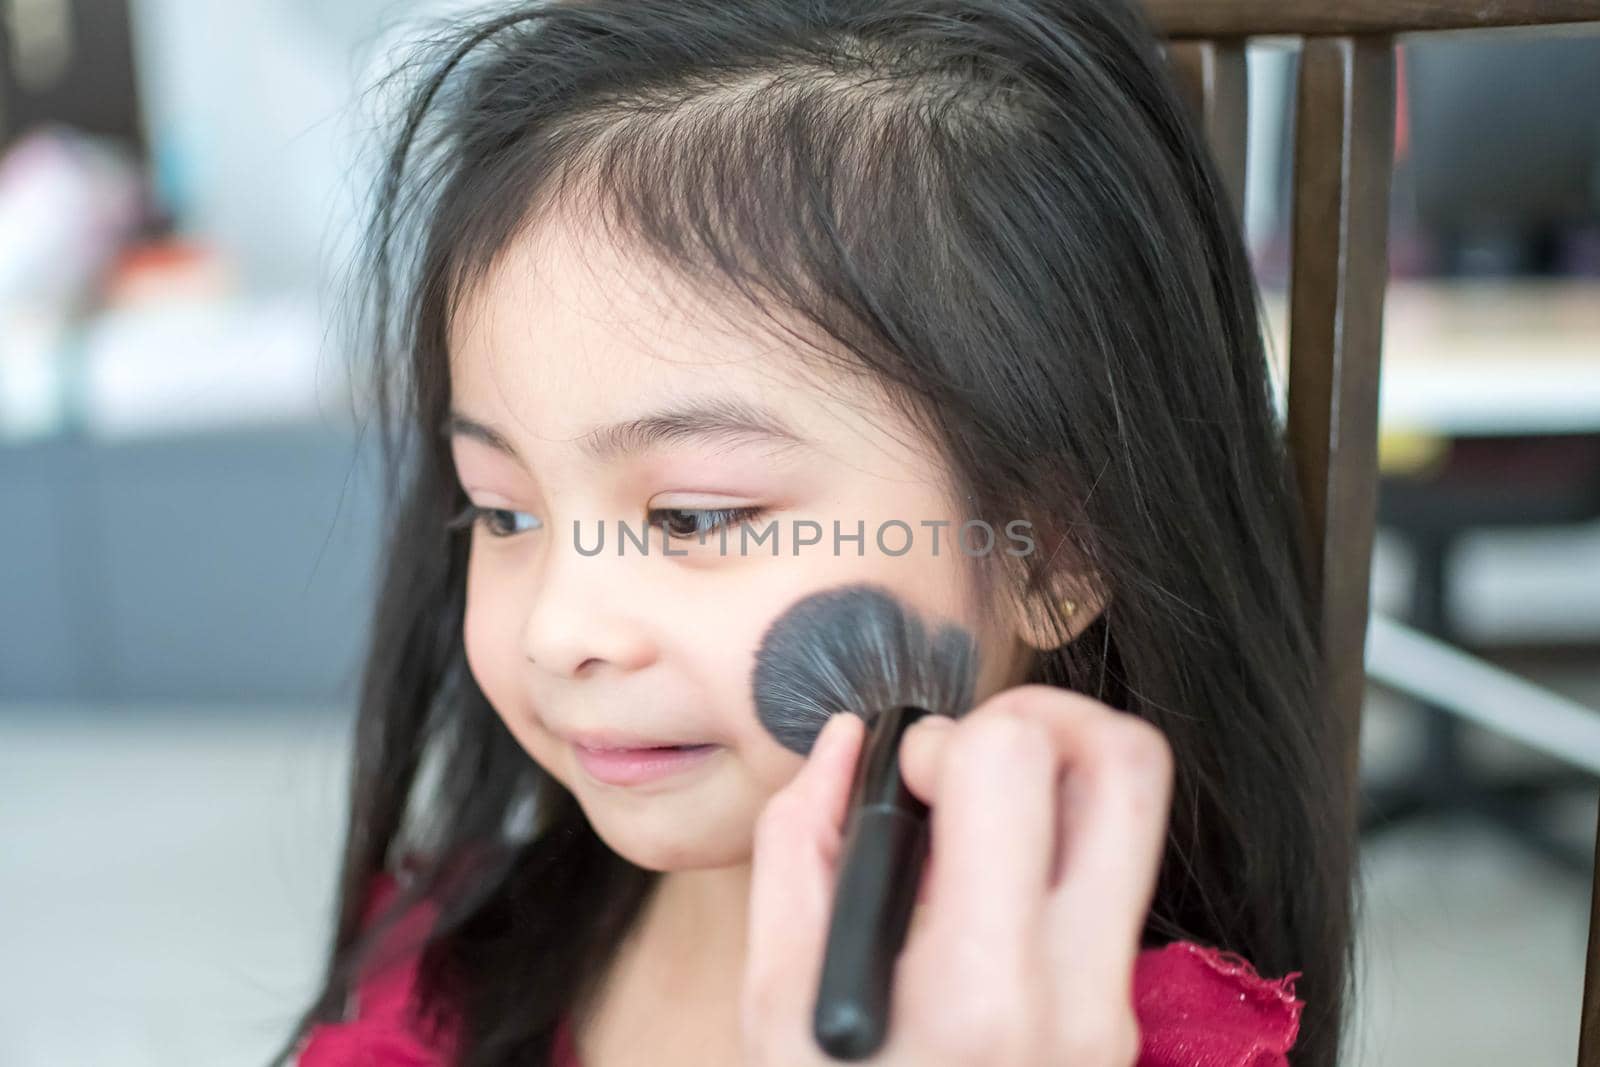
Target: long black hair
(1002, 211)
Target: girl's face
(608, 394)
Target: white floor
(165, 879)
(1470, 945)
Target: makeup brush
(858, 649)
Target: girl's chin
(684, 829)
(664, 855)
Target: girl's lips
(634, 766)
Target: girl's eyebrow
(728, 420)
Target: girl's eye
(685, 523)
(499, 522)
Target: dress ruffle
(1196, 1007)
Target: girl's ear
(1056, 615)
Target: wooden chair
(1343, 155)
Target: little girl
(814, 292)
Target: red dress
(1196, 1007)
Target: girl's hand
(1049, 812)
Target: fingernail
(933, 722)
(829, 733)
(927, 728)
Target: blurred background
(188, 523)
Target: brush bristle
(857, 648)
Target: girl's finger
(793, 868)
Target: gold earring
(1068, 607)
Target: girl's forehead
(567, 328)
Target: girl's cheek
(769, 765)
(488, 635)
(479, 662)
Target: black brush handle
(885, 844)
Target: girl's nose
(587, 614)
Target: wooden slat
(1343, 160)
(1344, 148)
(1215, 78)
(1589, 1025)
(1244, 18)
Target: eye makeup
(680, 524)
(703, 522)
(492, 520)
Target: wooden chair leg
(1344, 152)
(1214, 77)
(1589, 1031)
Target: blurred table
(1489, 418)
(1481, 357)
